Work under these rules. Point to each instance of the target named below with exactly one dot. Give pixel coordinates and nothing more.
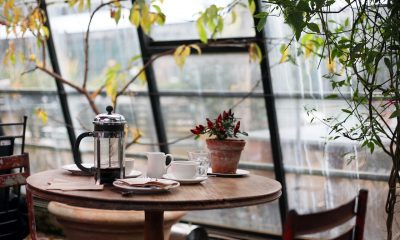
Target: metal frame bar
(222, 45)
(153, 92)
(272, 121)
(185, 93)
(60, 87)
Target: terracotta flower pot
(225, 154)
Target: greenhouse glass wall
(271, 98)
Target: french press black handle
(76, 152)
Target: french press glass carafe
(109, 147)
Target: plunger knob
(109, 109)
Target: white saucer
(198, 179)
(75, 170)
(133, 174)
(239, 173)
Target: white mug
(156, 165)
(129, 163)
(184, 169)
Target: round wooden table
(214, 193)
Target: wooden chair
(297, 224)
(12, 207)
(10, 227)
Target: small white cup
(129, 163)
(184, 169)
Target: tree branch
(86, 48)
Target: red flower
(210, 125)
(224, 126)
(225, 115)
(198, 130)
(219, 119)
(195, 131)
(236, 129)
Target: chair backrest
(14, 162)
(4, 138)
(297, 224)
(6, 146)
(11, 226)
(7, 149)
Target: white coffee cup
(129, 163)
(184, 169)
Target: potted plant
(225, 149)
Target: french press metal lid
(109, 121)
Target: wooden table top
(215, 192)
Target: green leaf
(261, 24)
(233, 16)
(313, 27)
(261, 15)
(252, 6)
(201, 30)
(347, 111)
(346, 22)
(387, 63)
(331, 96)
(134, 16)
(371, 146)
(365, 143)
(220, 24)
(157, 8)
(117, 16)
(396, 113)
(160, 19)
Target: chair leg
(31, 215)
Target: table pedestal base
(153, 227)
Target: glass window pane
(110, 44)
(46, 141)
(340, 164)
(183, 113)
(16, 76)
(136, 112)
(301, 75)
(181, 19)
(264, 218)
(23, 92)
(209, 72)
(316, 193)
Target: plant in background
(223, 127)
(362, 54)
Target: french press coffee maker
(109, 147)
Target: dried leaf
(180, 55)
(196, 47)
(330, 64)
(255, 53)
(41, 114)
(134, 16)
(285, 55)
